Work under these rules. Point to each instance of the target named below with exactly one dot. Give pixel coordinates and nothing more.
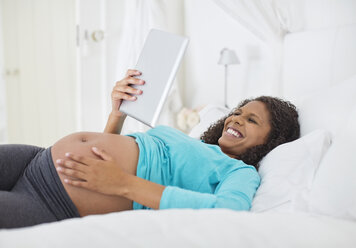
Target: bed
(188, 228)
(307, 196)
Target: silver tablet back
(159, 61)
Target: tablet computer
(158, 62)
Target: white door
(40, 69)
(92, 38)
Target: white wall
(210, 29)
(2, 88)
(3, 136)
(324, 54)
(329, 13)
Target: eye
(236, 113)
(252, 120)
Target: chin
(226, 148)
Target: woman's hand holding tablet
(123, 90)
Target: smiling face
(249, 126)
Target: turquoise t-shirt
(196, 175)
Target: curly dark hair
(284, 128)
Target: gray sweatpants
(30, 189)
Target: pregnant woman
(95, 173)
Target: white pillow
(287, 173)
(208, 115)
(334, 190)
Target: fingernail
(95, 149)
(59, 168)
(67, 154)
(59, 161)
(66, 180)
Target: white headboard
(316, 59)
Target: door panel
(39, 41)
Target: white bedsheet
(187, 228)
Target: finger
(72, 173)
(122, 96)
(81, 159)
(130, 81)
(80, 184)
(133, 72)
(102, 154)
(127, 89)
(72, 165)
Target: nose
(237, 120)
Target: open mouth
(234, 132)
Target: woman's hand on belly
(102, 175)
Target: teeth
(233, 132)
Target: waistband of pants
(46, 184)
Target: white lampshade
(228, 57)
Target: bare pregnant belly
(122, 148)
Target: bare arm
(142, 191)
(122, 91)
(114, 124)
